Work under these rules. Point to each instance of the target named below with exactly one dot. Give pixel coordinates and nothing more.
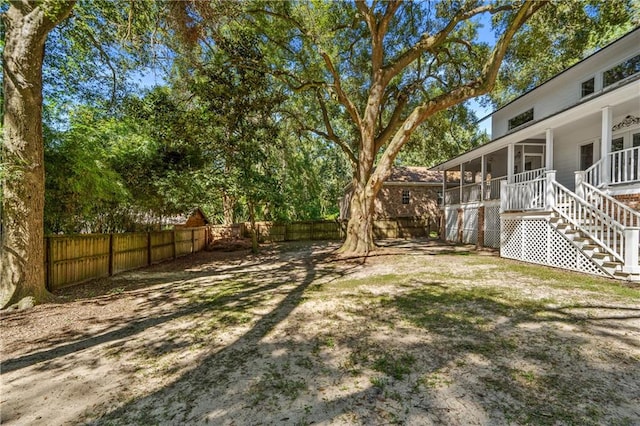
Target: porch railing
(523, 196)
(623, 167)
(492, 188)
(471, 192)
(452, 196)
(527, 176)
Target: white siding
(564, 90)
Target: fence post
(149, 248)
(48, 272)
(175, 244)
(631, 243)
(111, 255)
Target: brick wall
(423, 201)
(632, 200)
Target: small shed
(196, 219)
(407, 192)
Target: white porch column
(605, 144)
(549, 191)
(548, 150)
(461, 180)
(482, 179)
(631, 242)
(504, 196)
(510, 161)
(444, 188)
(579, 177)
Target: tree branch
(342, 96)
(472, 89)
(428, 42)
(393, 123)
(331, 134)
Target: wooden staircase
(597, 253)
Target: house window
(588, 87)
(621, 71)
(586, 156)
(617, 144)
(405, 196)
(521, 119)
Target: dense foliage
(223, 135)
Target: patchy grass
(291, 337)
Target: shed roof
(414, 174)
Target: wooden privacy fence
(72, 259)
(410, 227)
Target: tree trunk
(22, 256)
(359, 235)
(228, 202)
(253, 231)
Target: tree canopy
(266, 109)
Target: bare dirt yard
(417, 334)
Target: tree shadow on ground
(433, 353)
(477, 357)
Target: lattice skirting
(451, 224)
(470, 224)
(492, 225)
(535, 240)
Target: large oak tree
(378, 70)
(27, 24)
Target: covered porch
(553, 181)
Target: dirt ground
(418, 334)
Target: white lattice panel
(451, 222)
(534, 247)
(492, 226)
(565, 255)
(536, 241)
(470, 225)
(511, 238)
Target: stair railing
(607, 221)
(592, 222)
(593, 175)
(619, 211)
(622, 166)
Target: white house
(559, 183)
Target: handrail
(594, 174)
(492, 188)
(528, 175)
(598, 226)
(620, 212)
(527, 195)
(624, 165)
